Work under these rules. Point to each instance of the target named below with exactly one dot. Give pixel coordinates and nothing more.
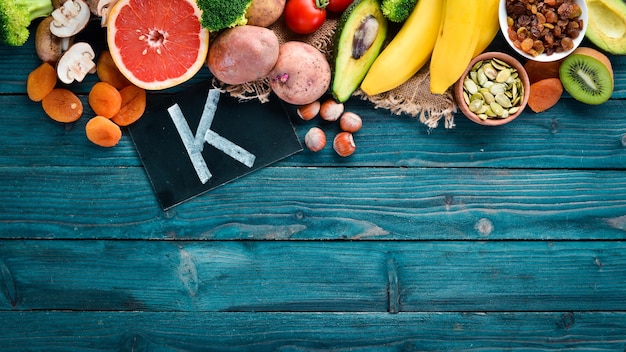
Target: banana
(408, 51)
(458, 36)
(490, 26)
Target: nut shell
(350, 122)
(315, 139)
(343, 144)
(330, 110)
(309, 111)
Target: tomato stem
(321, 4)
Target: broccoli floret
(16, 16)
(397, 10)
(220, 14)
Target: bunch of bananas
(446, 33)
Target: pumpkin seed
(488, 97)
(470, 86)
(475, 105)
(503, 100)
(493, 89)
(497, 109)
(503, 75)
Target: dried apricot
(41, 81)
(108, 72)
(62, 105)
(133, 105)
(105, 100)
(103, 132)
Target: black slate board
(262, 129)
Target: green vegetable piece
(397, 10)
(16, 16)
(221, 14)
(359, 38)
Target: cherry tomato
(304, 16)
(338, 5)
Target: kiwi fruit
(587, 78)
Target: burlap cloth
(412, 98)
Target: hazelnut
(315, 139)
(350, 122)
(344, 144)
(309, 111)
(330, 110)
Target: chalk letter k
(195, 144)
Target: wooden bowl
(523, 75)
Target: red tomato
(304, 16)
(338, 5)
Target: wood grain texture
(312, 276)
(319, 203)
(463, 239)
(570, 135)
(187, 332)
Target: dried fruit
(133, 105)
(62, 105)
(41, 81)
(543, 27)
(105, 100)
(103, 132)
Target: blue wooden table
(471, 238)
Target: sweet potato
(243, 54)
(264, 13)
(544, 94)
(62, 105)
(41, 81)
(538, 70)
(103, 132)
(301, 74)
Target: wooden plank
(312, 276)
(319, 203)
(199, 331)
(586, 136)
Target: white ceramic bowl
(544, 57)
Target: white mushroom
(101, 9)
(70, 18)
(76, 63)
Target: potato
(264, 12)
(243, 54)
(301, 74)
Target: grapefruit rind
(154, 51)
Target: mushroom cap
(70, 18)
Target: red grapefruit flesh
(157, 44)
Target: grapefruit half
(157, 44)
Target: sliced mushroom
(76, 63)
(101, 9)
(70, 18)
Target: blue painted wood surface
(473, 238)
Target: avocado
(606, 27)
(359, 38)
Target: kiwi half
(586, 78)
